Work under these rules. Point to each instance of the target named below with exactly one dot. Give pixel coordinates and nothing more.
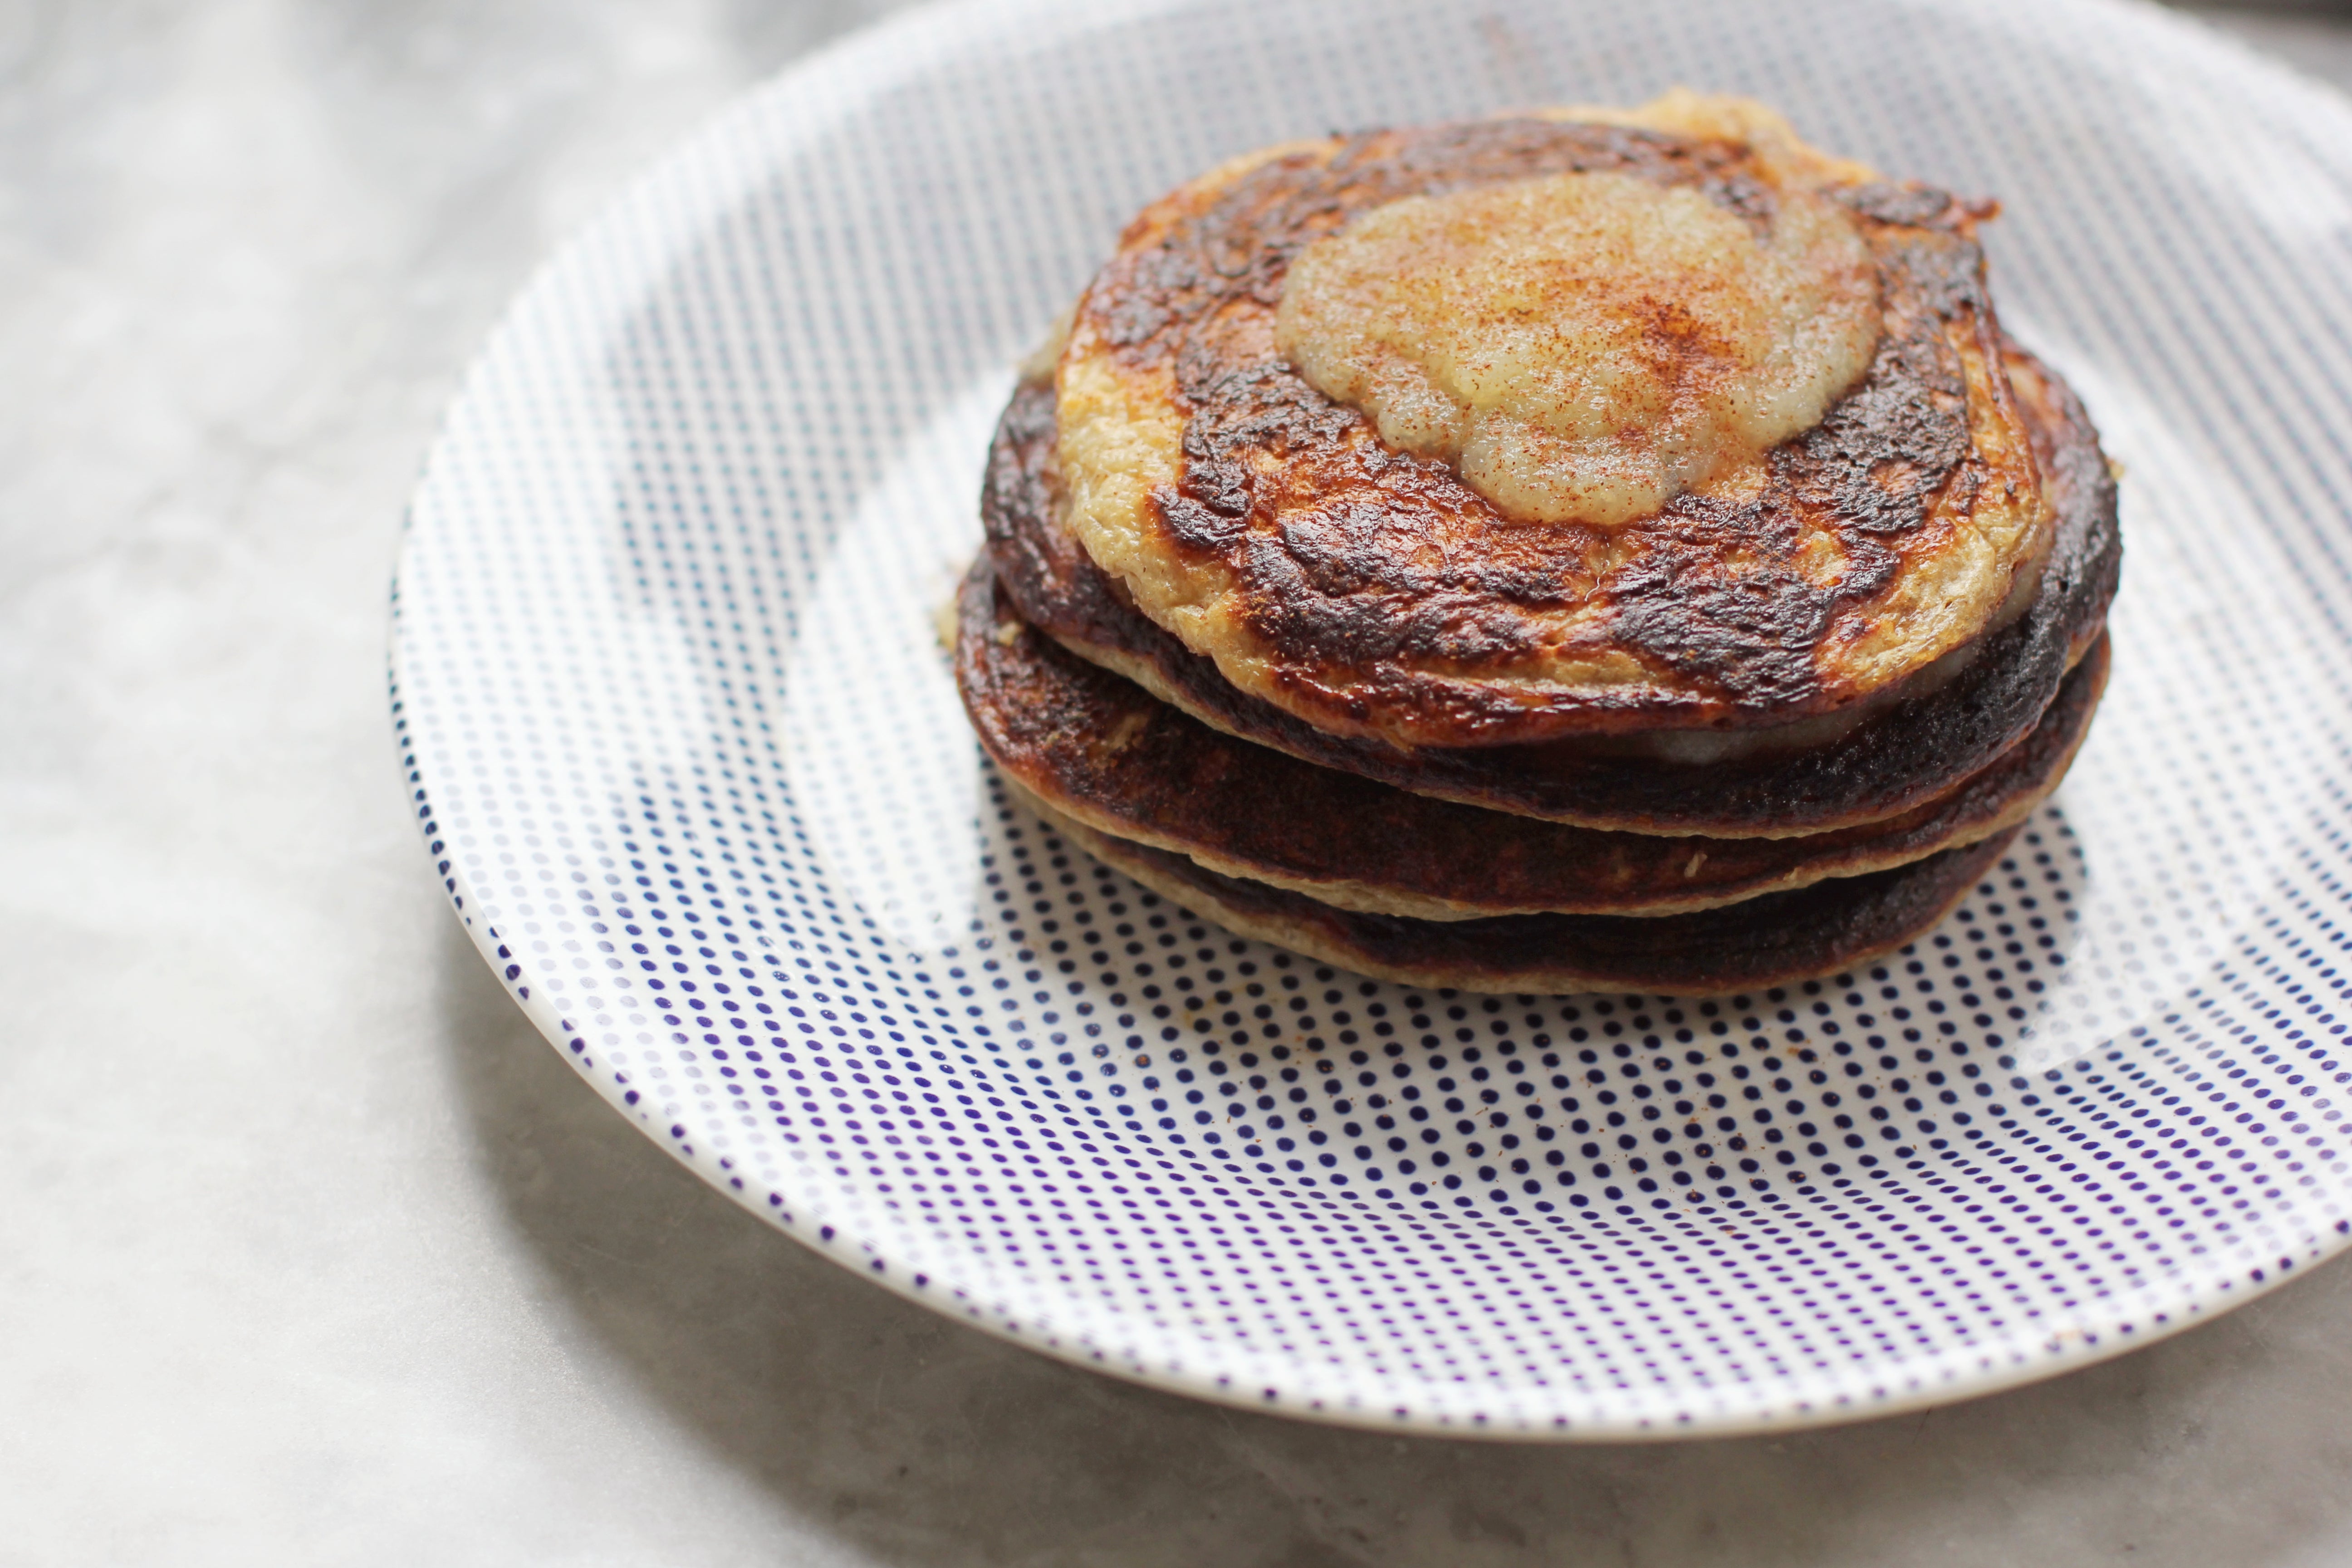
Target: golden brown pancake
(1892, 763)
(1101, 750)
(1770, 941)
(1373, 593)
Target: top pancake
(1372, 593)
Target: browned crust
(1775, 939)
(1375, 595)
(1919, 749)
(1103, 751)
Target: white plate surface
(693, 769)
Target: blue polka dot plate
(688, 758)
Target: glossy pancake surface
(1895, 761)
(1774, 940)
(1371, 593)
(1099, 750)
(1584, 347)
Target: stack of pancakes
(1467, 714)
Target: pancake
(1099, 750)
(1894, 760)
(1451, 587)
(1774, 940)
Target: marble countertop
(313, 1252)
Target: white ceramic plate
(693, 769)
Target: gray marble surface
(311, 1252)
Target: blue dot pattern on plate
(689, 759)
